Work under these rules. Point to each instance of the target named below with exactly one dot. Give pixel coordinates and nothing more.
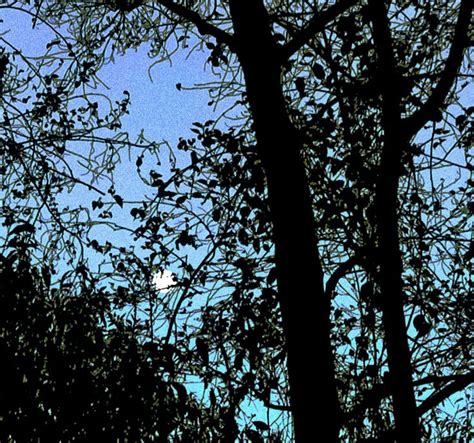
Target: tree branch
(203, 26)
(438, 379)
(315, 25)
(444, 393)
(277, 407)
(429, 110)
(389, 254)
(339, 273)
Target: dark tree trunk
(305, 310)
(391, 286)
(407, 428)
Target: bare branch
(339, 273)
(203, 26)
(277, 407)
(441, 395)
(315, 25)
(438, 379)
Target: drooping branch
(438, 397)
(430, 109)
(317, 24)
(202, 25)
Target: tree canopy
(319, 226)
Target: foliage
(72, 370)
(209, 221)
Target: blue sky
(163, 112)
(157, 107)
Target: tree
(397, 134)
(65, 376)
(309, 72)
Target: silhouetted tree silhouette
(66, 376)
(323, 206)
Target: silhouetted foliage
(72, 370)
(319, 228)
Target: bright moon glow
(164, 281)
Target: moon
(164, 281)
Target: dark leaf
(119, 200)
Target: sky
(157, 107)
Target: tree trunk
(389, 257)
(391, 286)
(305, 310)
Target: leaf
(300, 86)
(212, 398)
(97, 204)
(216, 215)
(469, 255)
(243, 237)
(181, 199)
(137, 212)
(261, 425)
(272, 276)
(318, 71)
(119, 200)
(421, 325)
(181, 391)
(185, 239)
